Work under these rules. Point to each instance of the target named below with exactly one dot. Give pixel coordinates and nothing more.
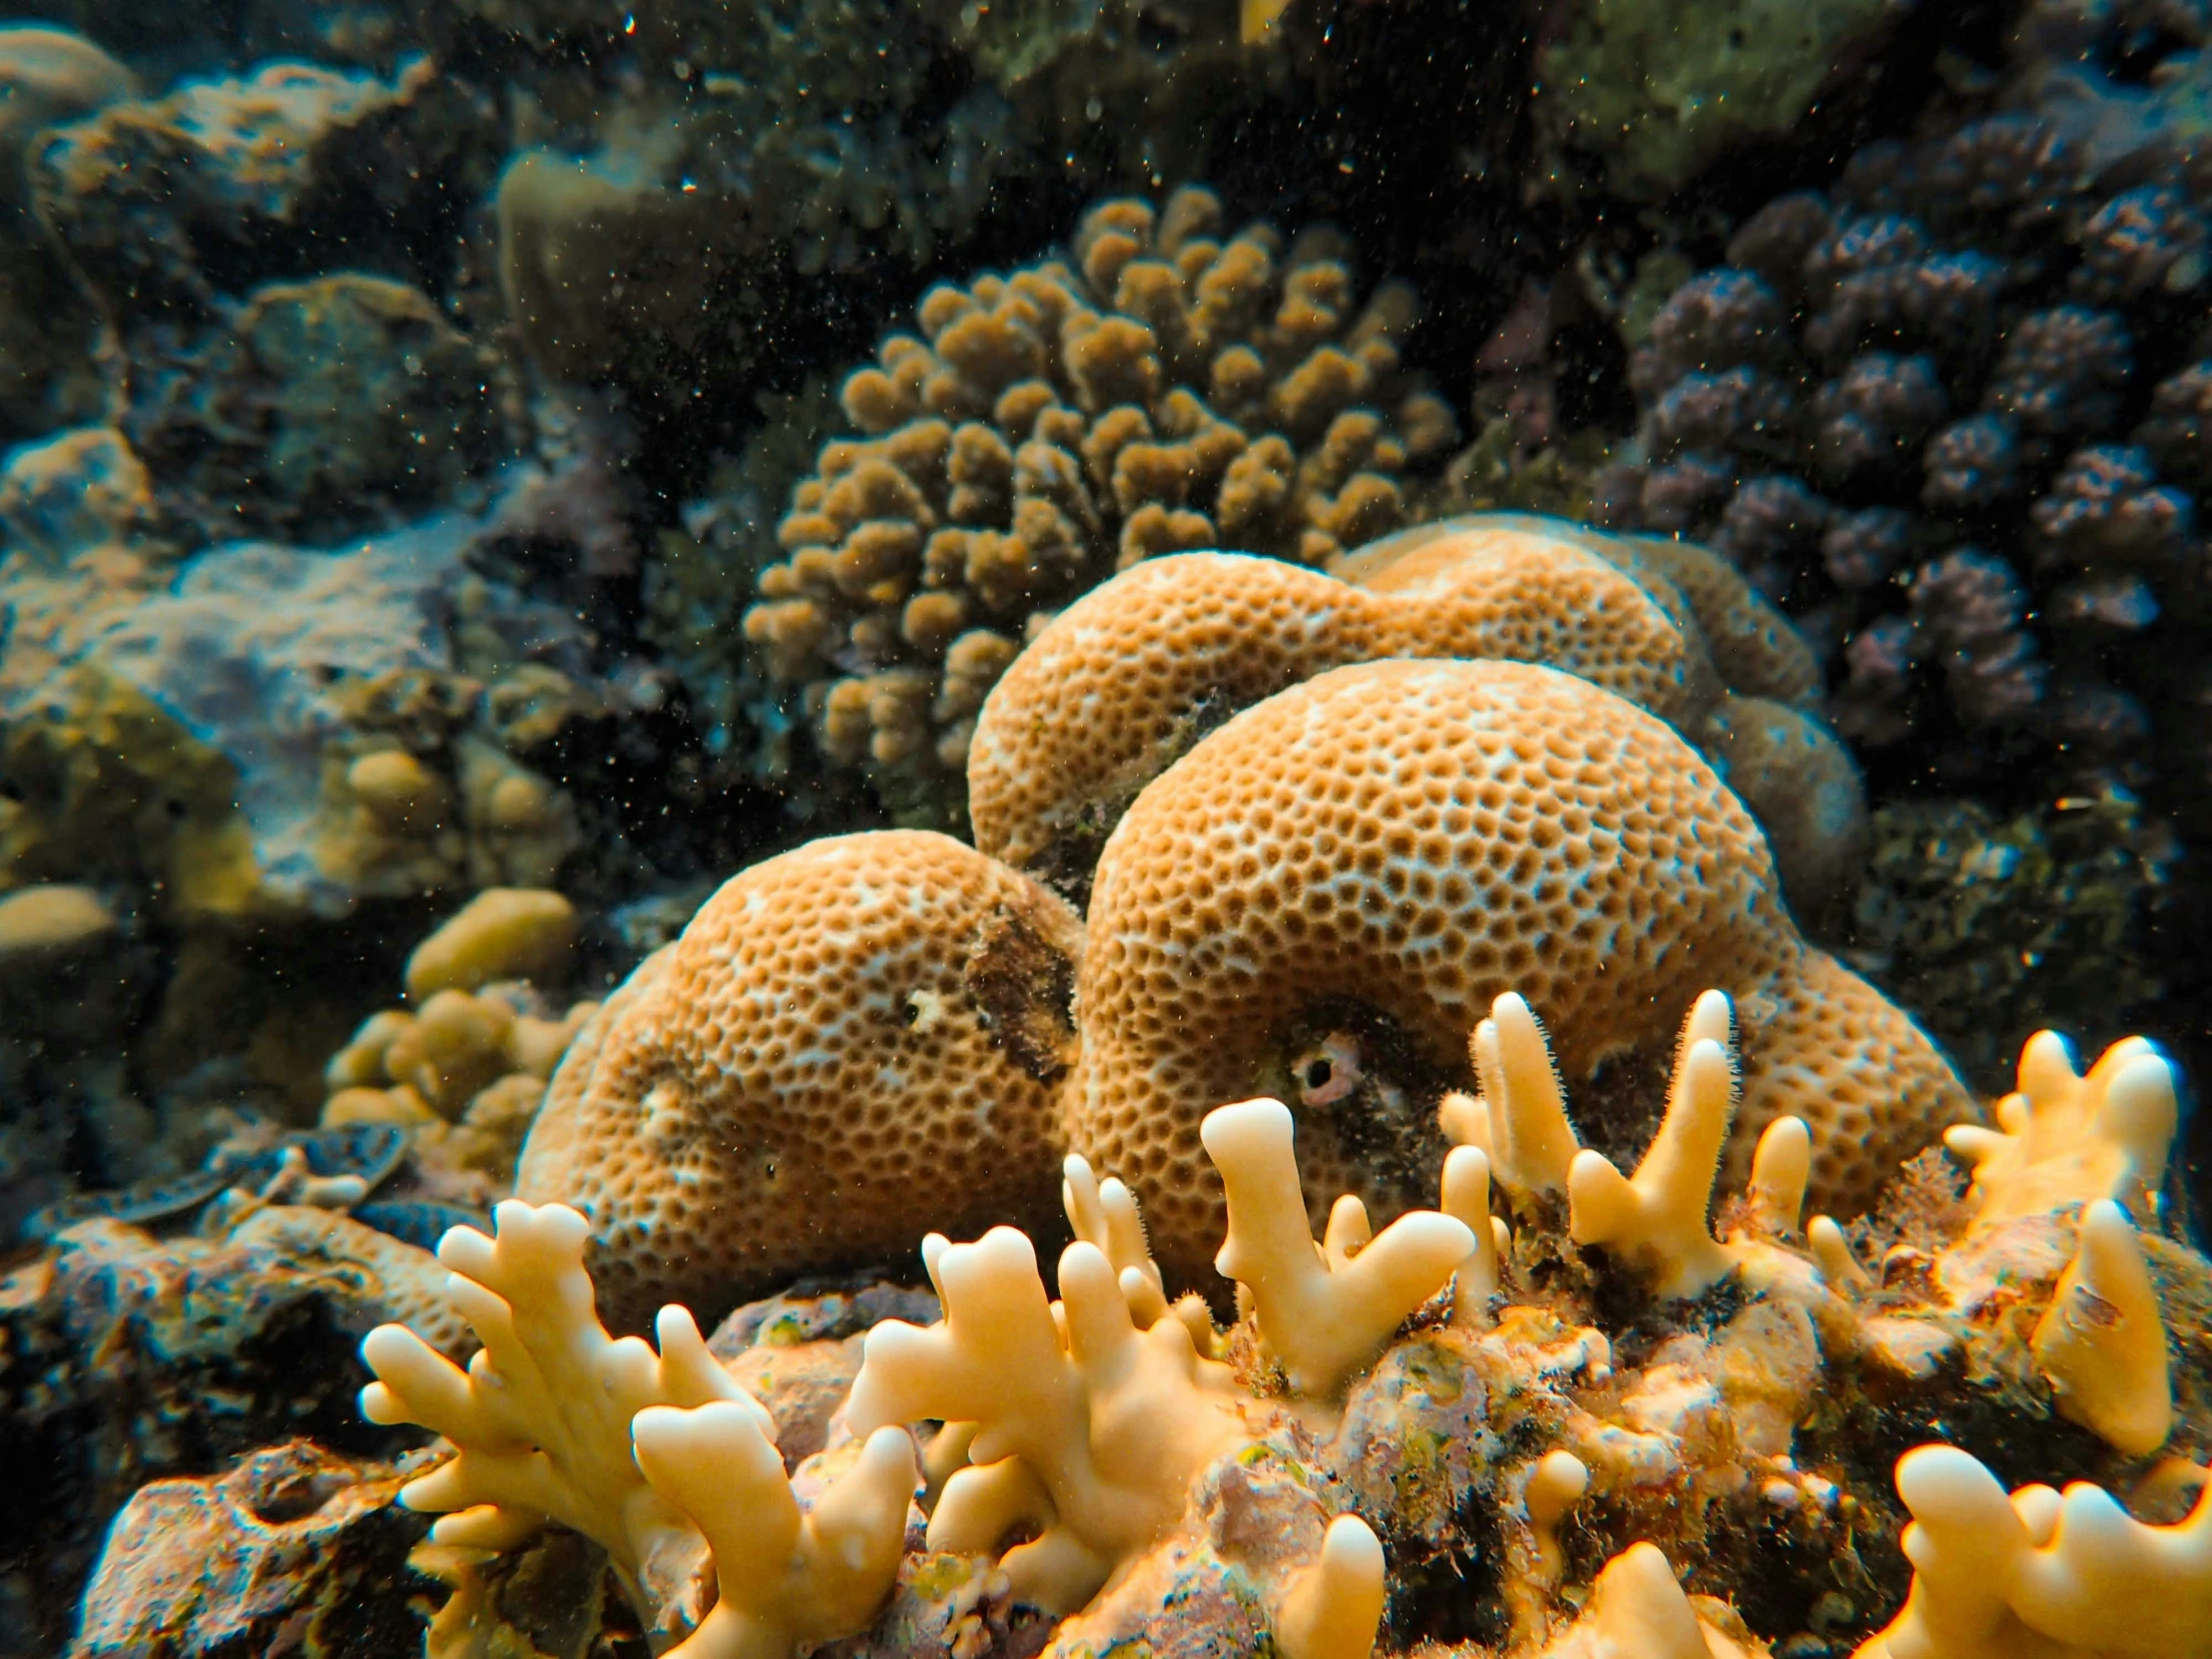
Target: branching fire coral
(643, 1453)
(2065, 1136)
(1090, 1431)
(2040, 1572)
(1111, 1471)
(1324, 1314)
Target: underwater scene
(1105, 828)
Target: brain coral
(1134, 673)
(872, 1026)
(1172, 389)
(1322, 898)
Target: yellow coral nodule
(2037, 1572)
(1332, 1609)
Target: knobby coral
(1170, 387)
(1950, 409)
(1131, 675)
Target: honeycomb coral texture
(861, 1028)
(1951, 410)
(1462, 829)
(1172, 388)
(1131, 675)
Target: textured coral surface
(1134, 673)
(1462, 829)
(839, 1029)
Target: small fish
(419, 1222)
(366, 1152)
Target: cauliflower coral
(1173, 387)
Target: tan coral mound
(1129, 676)
(1173, 388)
(872, 1027)
(1323, 897)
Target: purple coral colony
(747, 654)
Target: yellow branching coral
(1520, 1117)
(543, 1420)
(1323, 1312)
(1466, 1198)
(1089, 1431)
(787, 1579)
(1172, 387)
(2041, 1575)
(2065, 1138)
(1555, 1487)
(2101, 1343)
(1781, 1167)
(1657, 1218)
(1637, 1611)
